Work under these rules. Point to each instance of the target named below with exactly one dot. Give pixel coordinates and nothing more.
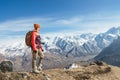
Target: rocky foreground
(94, 71)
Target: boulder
(6, 66)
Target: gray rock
(6, 66)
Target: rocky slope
(94, 71)
(111, 54)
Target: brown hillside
(91, 72)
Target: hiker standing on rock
(37, 49)
(33, 40)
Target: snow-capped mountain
(76, 45)
(81, 44)
(60, 49)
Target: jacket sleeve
(33, 37)
(41, 47)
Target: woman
(37, 49)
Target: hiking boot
(36, 71)
(39, 68)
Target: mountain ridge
(84, 44)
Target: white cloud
(88, 23)
(70, 21)
(21, 24)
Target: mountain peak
(114, 30)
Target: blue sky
(58, 16)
